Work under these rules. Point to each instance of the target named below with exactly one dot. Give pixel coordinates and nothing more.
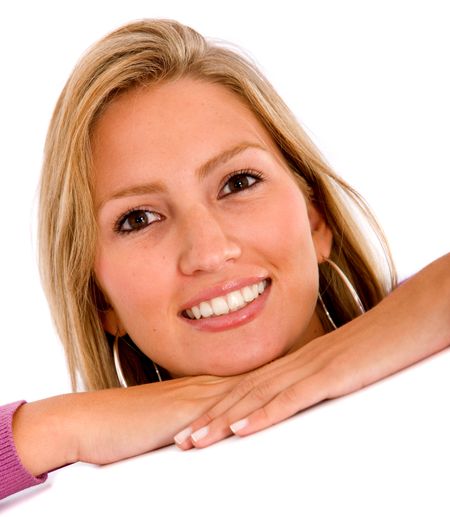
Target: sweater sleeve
(13, 475)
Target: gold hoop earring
(348, 285)
(118, 366)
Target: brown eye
(238, 182)
(137, 220)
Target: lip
(232, 319)
(221, 290)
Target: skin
(308, 367)
(148, 148)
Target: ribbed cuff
(13, 475)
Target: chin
(237, 362)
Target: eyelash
(256, 175)
(122, 219)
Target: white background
(369, 80)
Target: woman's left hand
(408, 325)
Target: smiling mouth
(231, 302)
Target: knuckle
(209, 416)
(290, 397)
(315, 389)
(262, 391)
(245, 387)
(265, 416)
(335, 379)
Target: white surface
(383, 451)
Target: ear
(321, 233)
(111, 322)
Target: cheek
(284, 227)
(130, 282)
(114, 278)
(290, 248)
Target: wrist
(43, 435)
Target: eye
(135, 220)
(240, 181)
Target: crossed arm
(101, 427)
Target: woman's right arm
(109, 425)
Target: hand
(325, 368)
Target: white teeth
(248, 294)
(230, 302)
(235, 300)
(206, 310)
(220, 306)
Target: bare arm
(410, 324)
(109, 425)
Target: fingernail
(182, 436)
(201, 433)
(240, 424)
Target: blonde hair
(146, 52)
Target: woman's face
(207, 249)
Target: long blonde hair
(146, 52)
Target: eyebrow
(224, 157)
(202, 171)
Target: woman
(190, 233)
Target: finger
(297, 397)
(255, 383)
(254, 391)
(182, 438)
(200, 426)
(212, 433)
(198, 433)
(261, 395)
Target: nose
(205, 244)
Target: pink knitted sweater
(13, 475)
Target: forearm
(419, 309)
(110, 425)
(42, 435)
(60, 430)
(410, 324)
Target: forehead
(172, 107)
(172, 126)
